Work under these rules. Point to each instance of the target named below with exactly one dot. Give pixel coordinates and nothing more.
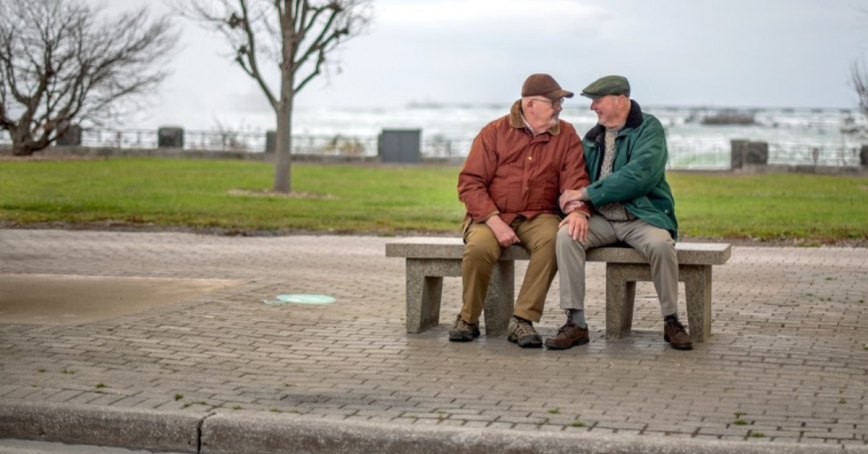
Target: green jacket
(638, 178)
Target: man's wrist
(573, 206)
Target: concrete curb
(104, 426)
(249, 434)
(243, 433)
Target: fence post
(738, 151)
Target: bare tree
(297, 35)
(59, 64)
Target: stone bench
(429, 260)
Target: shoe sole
(461, 337)
(678, 347)
(575, 343)
(533, 342)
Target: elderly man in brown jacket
(517, 168)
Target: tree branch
(251, 55)
(60, 65)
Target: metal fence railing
(110, 138)
(813, 154)
(684, 154)
(698, 154)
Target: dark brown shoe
(676, 335)
(568, 336)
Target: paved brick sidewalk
(787, 361)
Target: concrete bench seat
(429, 260)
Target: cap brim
(558, 94)
(591, 96)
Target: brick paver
(787, 360)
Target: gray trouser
(655, 243)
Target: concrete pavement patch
(48, 299)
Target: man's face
(546, 111)
(609, 110)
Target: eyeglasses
(554, 104)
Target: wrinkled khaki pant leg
(481, 252)
(539, 237)
(658, 247)
(571, 259)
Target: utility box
(270, 141)
(744, 152)
(401, 145)
(738, 150)
(70, 138)
(170, 137)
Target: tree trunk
(20, 149)
(22, 140)
(283, 141)
(282, 148)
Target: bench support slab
(425, 287)
(621, 294)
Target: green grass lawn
(229, 195)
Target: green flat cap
(608, 85)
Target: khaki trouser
(655, 243)
(481, 252)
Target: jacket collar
(634, 120)
(516, 121)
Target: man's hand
(504, 234)
(570, 195)
(578, 223)
(572, 206)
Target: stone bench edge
(452, 249)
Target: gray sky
(728, 53)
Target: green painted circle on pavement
(301, 298)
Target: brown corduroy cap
(544, 85)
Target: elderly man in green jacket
(625, 155)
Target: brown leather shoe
(676, 335)
(568, 336)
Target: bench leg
(697, 288)
(500, 298)
(621, 296)
(424, 289)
